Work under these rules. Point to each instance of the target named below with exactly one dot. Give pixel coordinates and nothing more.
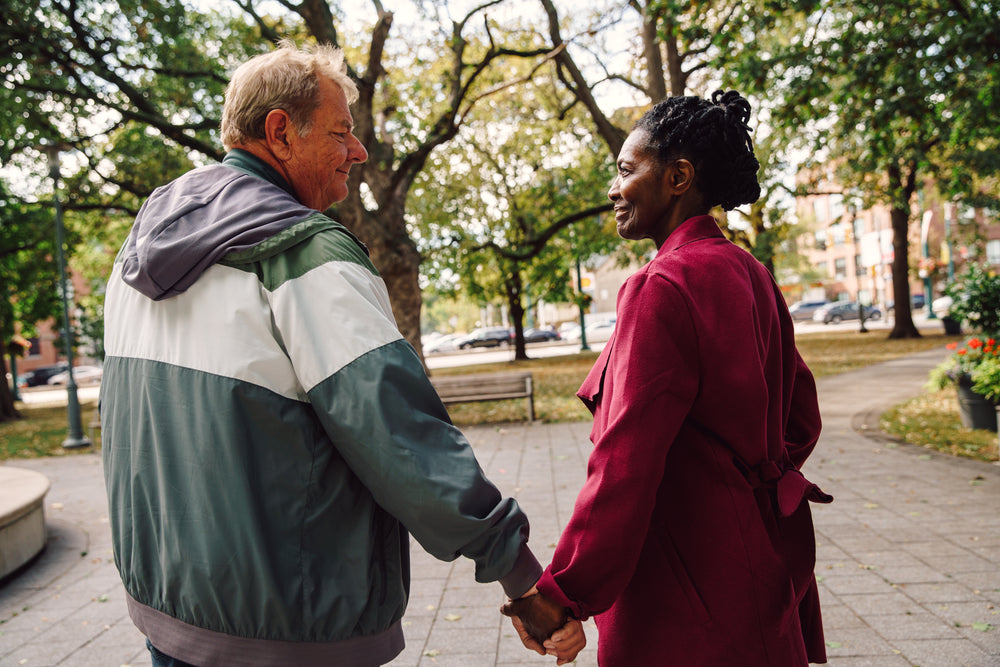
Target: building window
(822, 269)
(993, 251)
(858, 269)
(821, 240)
(819, 211)
(837, 230)
(836, 207)
(840, 268)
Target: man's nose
(357, 152)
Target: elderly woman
(691, 541)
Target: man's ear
(680, 175)
(277, 128)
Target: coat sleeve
(803, 425)
(383, 416)
(649, 386)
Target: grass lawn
(925, 421)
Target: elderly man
(270, 439)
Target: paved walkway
(909, 553)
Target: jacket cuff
(524, 574)
(548, 587)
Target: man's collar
(249, 163)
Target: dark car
(486, 337)
(833, 313)
(917, 301)
(803, 310)
(540, 335)
(38, 377)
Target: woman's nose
(613, 193)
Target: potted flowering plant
(976, 299)
(973, 369)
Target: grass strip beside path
(43, 429)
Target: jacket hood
(191, 223)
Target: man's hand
(539, 616)
(544, 626)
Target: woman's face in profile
(639, 192)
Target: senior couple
(271, 441)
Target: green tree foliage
(154, 71)
(494, 211)
(29, 279)
(889, 93)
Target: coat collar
(693, 229)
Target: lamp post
(583, 321)
(579, 288)
(925, 254)
(75, 437)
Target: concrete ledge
(22, 516)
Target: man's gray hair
(288, 79)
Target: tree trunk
(656, 87)
(7, 410)
(902, 326)
(675, 69)
(514, 288)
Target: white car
(81, 375)
(597, 332)
(445, 343)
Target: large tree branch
(535, 245)
(612, 136)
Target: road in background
(56, 396)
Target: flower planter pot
(951, 326)
(975, 409)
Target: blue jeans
(161, 659)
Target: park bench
(486, 387)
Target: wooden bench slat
(486, 387)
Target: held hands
(545, 627)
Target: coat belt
(790, 485)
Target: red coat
(692, 540)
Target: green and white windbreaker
(270, 439)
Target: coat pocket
(689, 606)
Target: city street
(44, 396)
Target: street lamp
(580, 294)
(75, 437)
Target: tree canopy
(889, 93)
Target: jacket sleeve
(649, 386)
(380, 411)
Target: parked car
(40, 376)
(804, 310)
(917, 301)
(597, 332)
(486, 337)
(540, 335)
(445, 343)
(81, 375)
(832, 313)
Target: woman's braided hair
(714, 137)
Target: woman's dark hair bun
(715, 136)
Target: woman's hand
(566, 642)
(544, 626)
